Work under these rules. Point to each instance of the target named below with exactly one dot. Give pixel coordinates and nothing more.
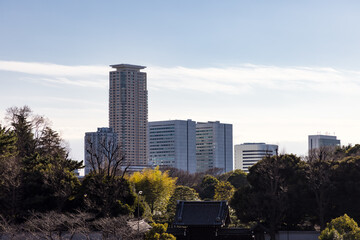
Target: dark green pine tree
(25, 138)
(7, 143)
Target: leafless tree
(77, 224)
(116, 228)
(45, 225)
(38, 123)
(57, 226)
(105, 157)
(9, 230)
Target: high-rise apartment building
(318, 141)
(248, 154)
(99, 146)
(173, 144)
(214, 146)
(128, 111)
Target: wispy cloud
(75, 81)
(238, 79)
(55, 74)
(245, 78)
(55, 70)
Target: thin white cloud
(50, 69)
(96, 83)
(228, 80)
(244, 78)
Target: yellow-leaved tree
(156, 186)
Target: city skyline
(277, 71)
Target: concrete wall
(295, 235)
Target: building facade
(98, 146)
(128, 111)
(248, 154)
(173, 144)
(214, 146)
(318, 141)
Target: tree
(207, 187)
(319, 171)
(106, 196)
(9, 230)
(192, 180)
(116, 228)
(224, 191)
(23, 129)
(156, 187)
(180, 193)
(45, 172)
(342, 228)
(272, 194)
(9, 173)
(346, 179)
(50, 144)
(104, 157)
(238, 179)
(48, 174)
(47, 183)
(346, 151)
(7, 143)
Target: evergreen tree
(207, 187)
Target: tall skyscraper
(173, 143)
(99, 146)
(318, 141)
(214, 146)
(248, 154)
(128, 111)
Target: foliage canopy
(156, 186)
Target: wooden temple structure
(208, 220)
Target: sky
(277, 70)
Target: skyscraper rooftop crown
(127, 66)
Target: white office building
(318, 141)
(214, 146)
(173, 144)
(99, 145)
(248, 154)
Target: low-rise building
(248, 154)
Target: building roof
(127, 66)
(202, 213)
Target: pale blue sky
(277, 70)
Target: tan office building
(128, 111)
